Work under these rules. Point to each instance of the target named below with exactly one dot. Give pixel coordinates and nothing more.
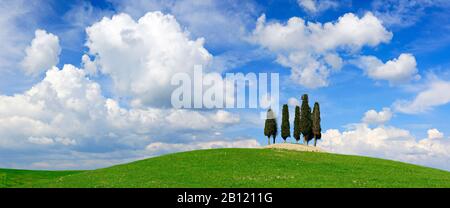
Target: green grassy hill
(241, 168)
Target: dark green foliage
(267, 128)
(316, 129)
(285, 126)
(270, 126)
(297, 132)
(306, 120)
(275, 129)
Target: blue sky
(387, 96)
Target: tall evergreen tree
(269, 125)
(305, 120)
(285, 126)
(267, 131)
(297, 132)
(316, 128)
(274, 129)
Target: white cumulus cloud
(68, 117)
(141, 56)
(67, 112)
(65, 104)
(390, 143)
(435, 134)
(311, 49)
(18, 19)
(435, 94)
(42, 54)
(374, 117)
(398, 70)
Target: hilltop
(248, 168)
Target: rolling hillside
(240, 168)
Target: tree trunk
(274, 140)
(315, 142)
(268, 140)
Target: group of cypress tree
(306, 123)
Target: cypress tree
(305, 120)
(316, 123)
(268, 126)
(274, 129)
(285, 126)
(297, 132)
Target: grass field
(18, 178)
(240, 168)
